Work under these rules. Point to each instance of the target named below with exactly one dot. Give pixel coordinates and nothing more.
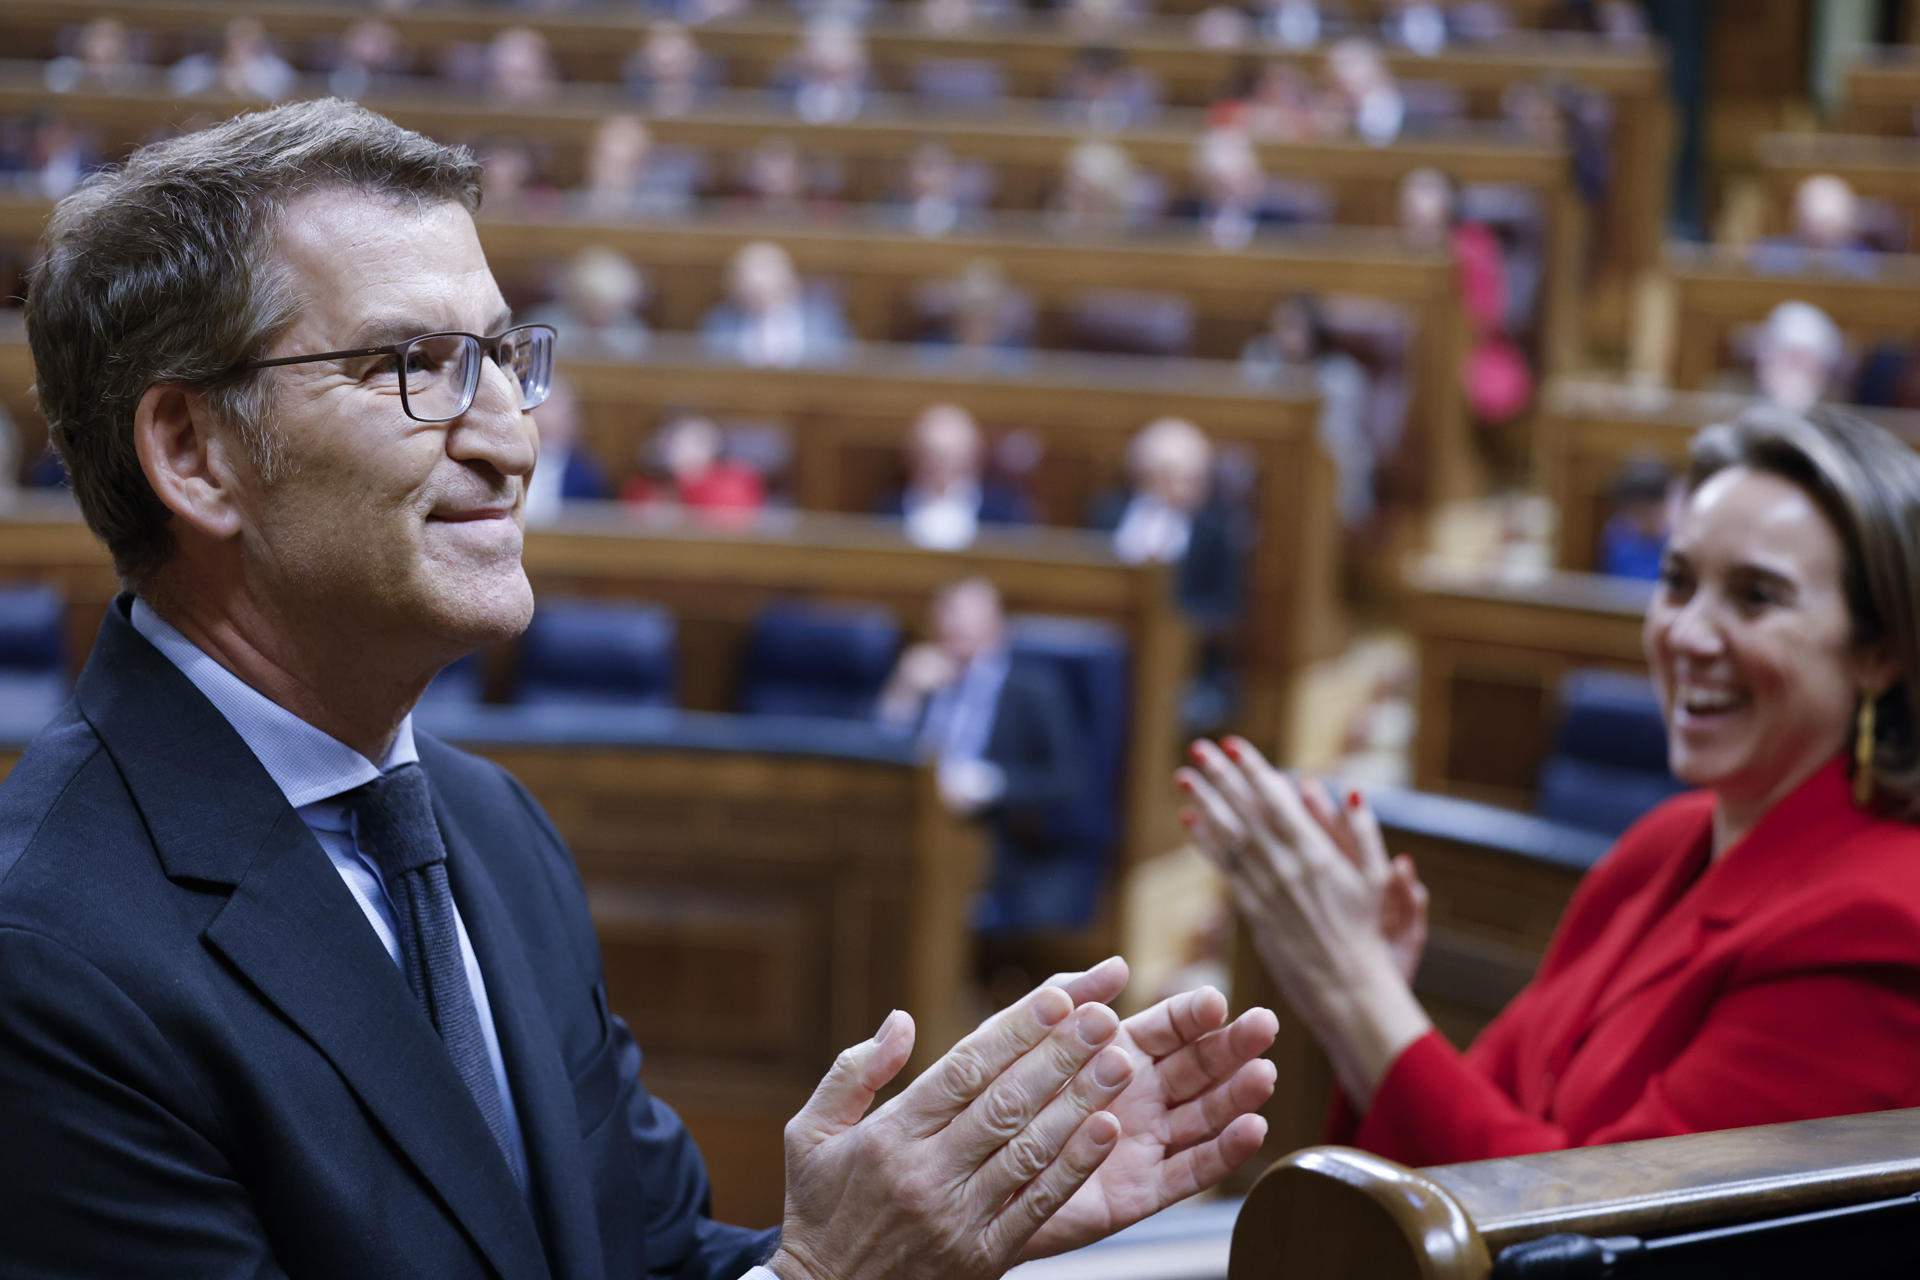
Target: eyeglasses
(438, 373)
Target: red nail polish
(1188, 818)
(1185, 785)
(1194, 754)
(1232, 749)
(1353, 799)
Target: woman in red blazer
(1749, 952)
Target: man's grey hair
(161, 270)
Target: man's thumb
(856, 1076)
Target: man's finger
(950, 1085)
(1007, 1107)
(1198, 1168)
(1195, 1068)
(1035, 1147)
(860, 1072)
(1177, 1020)
(1199, 1119)
(1083, 1154)
(1099, 985)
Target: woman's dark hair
(1867, 484)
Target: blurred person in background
(1168, 513)
(931, 204)
(1798, 357)
(511, 181)
(779, 181)
(1001, 728)
(688, 456)
(668, 73)
(977, 318)
(1274, 104)
(1104, 91)
(1291, 24)
(103, 57)
(768, 318)
(628, 177)
(1099, 192)
(1230, 201)
(1298, 338)
(63, 153)
(1363, 98)
(1420, 26)
(520, 69)
(1829, 233)
(598, 310)
(368, 59)
(1640, 499)
(1100, 19)
(246, 65)
(828, 79)
(564, 471)
(948, 495)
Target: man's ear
(187, 461)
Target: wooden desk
(1715, 291)
(1877, 168)
(1587, 431)
(1033, 58)
(1338, 1214)
(1024, 142)
(1881, 91)
(1491, 658)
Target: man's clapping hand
(1049, 1127)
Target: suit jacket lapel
(291, 927)
(562, 1190)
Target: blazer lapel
(562, 1189)
(291, 927)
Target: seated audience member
(1275, 104)
(1828, 233)
(367, 59)
(668, 73)
(511, 181)
(565, 472)
(1100, 19)
(1639, 518)
(246, 65)
(777, 180)
(1748, 953)
(1798, 357)
(63, 153)
(1291, 24)
(1420, 26)
(689, 452)
(1297, 338)
(769, 320)
(1497, 377)
(934, 201)
(520, 69)
(951, 17)
(948, 494)
(1002, 730)
(1168, 513)
(1363, 98)
(977, 318)
(1099, 192)
(1889, 377)
(628, 177)
(598, 308)
(1221, 26)
(1231, 199)
(827, 82)
(1104, 91)
(103, 57)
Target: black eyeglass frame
(489, 350)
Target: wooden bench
(1491, 656)
(1339, 1214)
(1033, 58)
(1881, 90)
(1715, 291)
(1588, 430)
(1877, 168)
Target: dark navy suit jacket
(209, 1066)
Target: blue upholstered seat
(597, 653)
(818, 660)
(1609, 761)
(33, 650)
(1091, 661)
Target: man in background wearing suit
(292, 989)
(1001, 728)
(948, 495)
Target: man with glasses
(289, 988)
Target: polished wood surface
(1588, 430)
(1338, 1214)
(1491, 655)
(1880, 91)
(1880, 169)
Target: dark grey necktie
(395, 827)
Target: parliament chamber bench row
(1231, 296)
(593, 47)
(1025, 145)
(1883, 170)
(846, 425)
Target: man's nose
(495, 429)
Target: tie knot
(394, 823)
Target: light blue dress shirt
(314, 770)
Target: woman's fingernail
(1187, 818)
(1353, 799)
(1195, 754)
(1232, 749)
(1185, 785)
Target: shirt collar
(306, 763)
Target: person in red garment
(1749, 952)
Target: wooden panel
(1492, 655)
(1880, 169)
(1882, 89)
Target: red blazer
(1780, 983)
